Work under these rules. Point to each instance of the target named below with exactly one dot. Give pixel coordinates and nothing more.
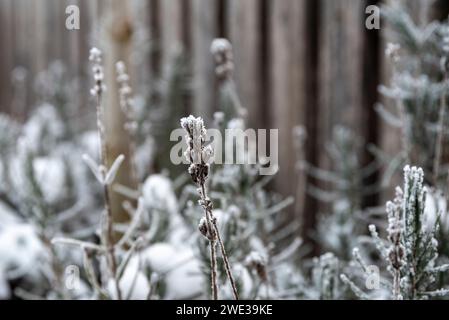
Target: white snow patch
(50, 175)
(133, 283)
(20, 250)
(178, 267)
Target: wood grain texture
(204, 26)
(286, 83)
(117, 36)
(244, 30)
(340, 71)
(171, 16)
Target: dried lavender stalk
(107, 221)
(396, 250)
(221, 50)
(199, 157)
(125, 92)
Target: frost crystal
(198, 154)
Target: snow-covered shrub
(343, 189)
(411, 250)
(47, 192)
(418, 91)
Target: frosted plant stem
(124, 94)
(199, 157)
(110, 243)
(109, 233)
(226, 262)
(220, 242)
(213, 249)
(213, 270)
(440, 133)
(59, 283)
(396, 285)
(90, 272)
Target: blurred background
(297, 62)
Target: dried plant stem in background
(226, 262)
(213, 263)
(396, 250)
(199, 157)
(107, 220)
(209, 232)
(108, 248)
(126, 106)
(221, 50)
(207, 205)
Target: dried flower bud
(97, 69)
(221, 49)
(258, 263)
(210, 235)
(202, 226)
(197, 153)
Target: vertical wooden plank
(171, 29)
(340, 71)
(19, 34)
(41, 36)
(71, 39)
(204, 29)
(87, 20)
(6, 55)
(117, 35)
(372, 56)
(155, 26)
(29, 30)
(76, 39)
(306, 206)
(94, 10)
(65, 35)
(389, 137)
(140, 68)
(244, 23)
(54, 44)
(72, 55)
(286, 83)
(20, 52)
